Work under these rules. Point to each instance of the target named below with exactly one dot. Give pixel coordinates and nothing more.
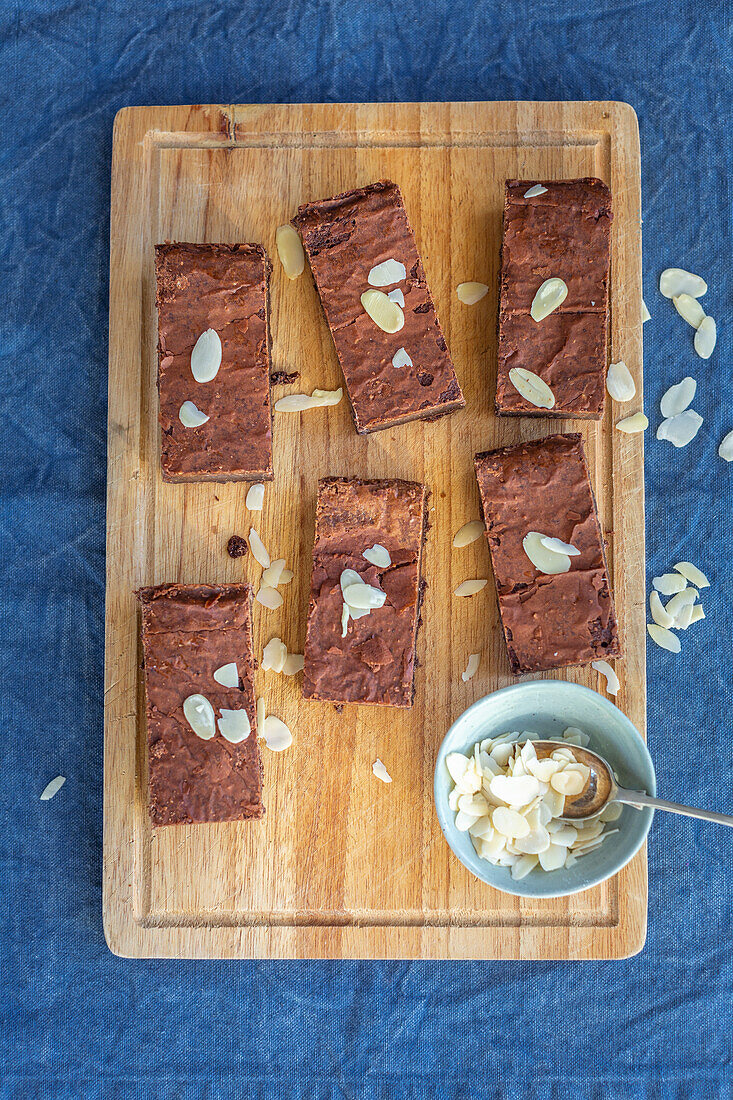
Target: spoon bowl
(600, 788)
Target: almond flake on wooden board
(619, 382)
(680, 430)
(470, 588)
(398, 297)
(677, 398)
(299, 402)
(386, 273)
(269, 597)
(550, 295)
(206, 356)
(191, 416)
(401, 359)
(260, 715)
(675, 281)
(470, 293)
(532, 388)
(691, 573)
(725, 450)
(276, 734)
(689, 309)
(378, 556)
(294, 663)
(659, 613)
(386, 314)
(535, 190)
(664, 638)
(271, 576)
(472, 667)
(670, 583)
(274, 655)
(199, 714)
(259, 551)
(706, 338)
(380, 771)
(469, 533)
(632, 424)
(545, 560)
(234, 725)
(255, 497)
(227, 675)
(290, 250)
(286, 576)
(612, 681)
(52, 788)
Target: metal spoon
(602, 788)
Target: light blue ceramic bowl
(548, 707)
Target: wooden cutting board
(344, 866)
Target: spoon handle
(639, 798)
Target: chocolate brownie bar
(225, 288)
(394, 377)
(369, 659)
(563, 233)
(549, 621)
(189, 632)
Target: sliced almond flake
(274, 655)
(670, 583)
(271, 576)
(299, 402)
(645, 314)
(344, 620)
(567, 783)
(469, 533)
(190, 416)
(725, 450)
(553, 858)
(470, 588)
(576, 736)
(677, 398)
(378, 555)
(619, 382)
(380, 771)
(199, 714)
(227, 675)
(386, 273)
(697, 613)
(632, 424)
(52, 788)
(401, 359)
(683, 618)
(482, 829)
(680, 430)
(286, 576)
(364, 596)
(386, 314)
(206, 356)
(294, 663)
(611, 812)
(550, 295)
(269, 597)
(472, 667)
(691, 573)
(532, 388)
(675, 281)
(560, 547)
(545, 560)
(509, 823)
(234, 725)
(290, 251)
(260, 715)
(682, 599)
(398, 297)
(515, 790)
(689, 309)
(257, 546)
(612, 681)
(276, 734)
(664, 638)
(706, 338)
(456, 763)
(255, 497)
(470, 293)
(659, 614)
(536, 189)
(473, 804)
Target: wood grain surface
(343, 865)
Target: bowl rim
(445, 815)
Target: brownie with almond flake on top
(345, 237)
(549, 621)
(188, 632)
(562, 233)
(224, 287)
(374, 662)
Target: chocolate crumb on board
(237, 547)
(282, 378)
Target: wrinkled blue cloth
(77, 1022)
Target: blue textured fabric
(77, 1022)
